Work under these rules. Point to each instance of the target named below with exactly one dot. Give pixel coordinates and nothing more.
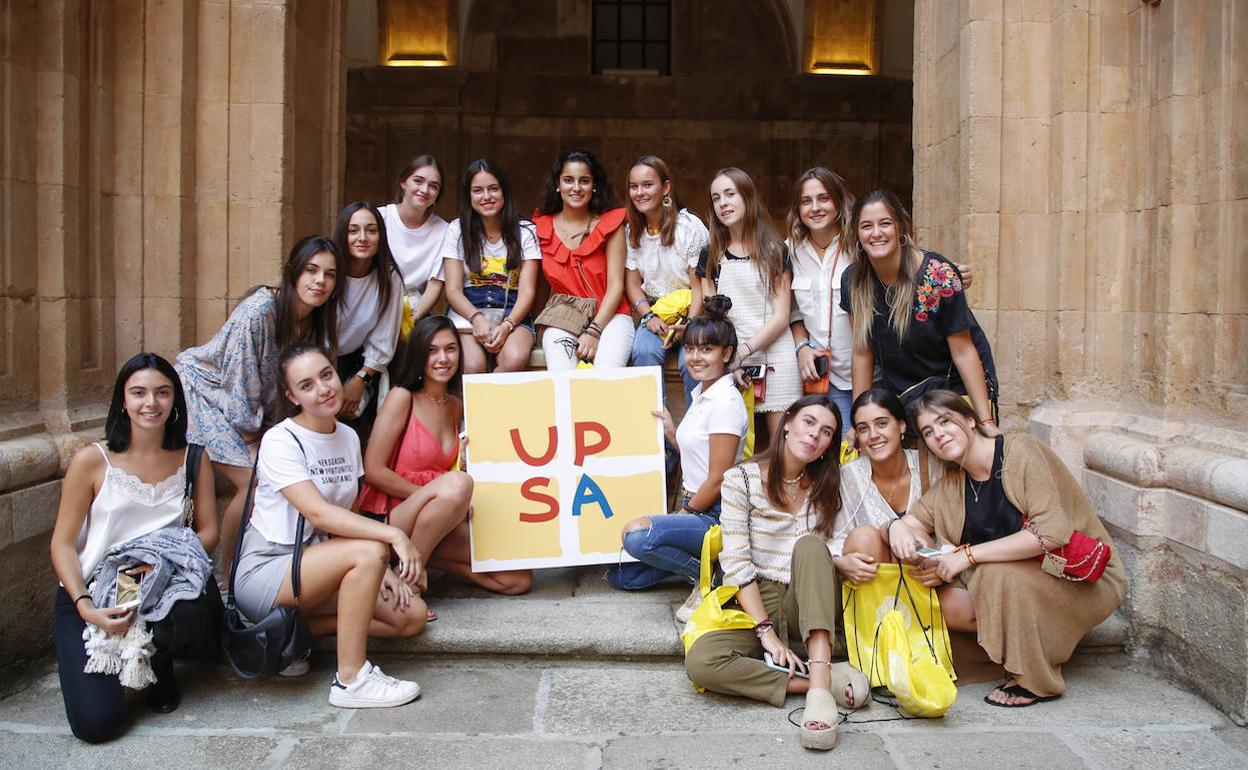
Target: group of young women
(831, 331)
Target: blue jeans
(844, 399)
(648, 351)
(671, 547)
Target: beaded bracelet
(511, 325)
(803, 344)
(638, 303)
(763, 627)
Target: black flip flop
(1018, 691)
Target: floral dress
(229, 380)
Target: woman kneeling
(1005, 500)
(310, 466)
(786, 576)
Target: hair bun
(717, 305)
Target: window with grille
(632, 35)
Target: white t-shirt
(363, 323)
(415, 251)
(664, 269)
(331, 461)
(717, 409)
(493, 255)
(816, 290)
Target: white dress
(750, 293)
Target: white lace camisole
(125, 508)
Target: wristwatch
(366, 375)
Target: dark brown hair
(383, 264)
(824, 472)
(419, 162)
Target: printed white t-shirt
(415, 251)
(331, 461)
(715, 409)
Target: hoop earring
(905, 240)
(173, 416)
(667, 201)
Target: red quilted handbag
(1082, 560)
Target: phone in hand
(753, 371)
(933, 553)
(771, 663)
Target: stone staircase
(572, 613)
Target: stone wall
(1090, 157)
(737, 96)
(156, 160)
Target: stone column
(157, 159)
(1088, 157)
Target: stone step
(574, 613)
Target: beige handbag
(566, 312)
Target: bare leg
(474, 354)
(434, 510)
(232, 516)
(867, 539)
(453, 557)
(386, 621)
(349, 571)
(958, 607)
(514, 355)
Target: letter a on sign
(588, 491)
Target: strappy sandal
(820, 710)
(1018, 691)
(845, 676)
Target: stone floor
(582, 702)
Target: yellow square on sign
(527, 408)
(498, 532)
(622, 406)
(599, 534)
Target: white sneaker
(685, 611)
(296, 668)
(372, 689)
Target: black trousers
(95, 704)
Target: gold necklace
(654, 230)
(578, 236)
(974, 491)
(888, 498)
(796, 479)
(439, 401)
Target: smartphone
(772, 664)
(753, 371)
(822, 364)
(128, 588)
(933, 553)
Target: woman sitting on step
(1003, 502)
(778, 512)
(877, 488)
(309, 466)
(413, 456)
(710, 440)
(132, 485)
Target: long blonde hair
(757, 234)
(841, 198)
(900, 295)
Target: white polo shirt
(715, 409)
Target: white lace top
(126, 508)
(664, 269)
(861, 501)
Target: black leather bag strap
(248, 504)
(297, 558)
(194, 453)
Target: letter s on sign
(528, 492)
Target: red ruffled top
(581, 272)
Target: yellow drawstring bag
(408, 322)
(922, 687)
(710, 614)
(673, 306)
(917, 609)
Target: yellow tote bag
(711, 615)
(918, 611)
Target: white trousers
(614, 347)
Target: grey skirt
(261, 570)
